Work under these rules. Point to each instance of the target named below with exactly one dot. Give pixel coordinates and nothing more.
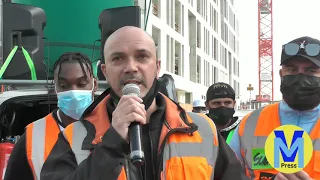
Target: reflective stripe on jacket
(230, 136)
(41, 136)
(254, 130)
(184, 155)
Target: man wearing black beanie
(220, 103)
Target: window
(206, 75)
(215, 48)
(216, 75)
(238, 68)
(198, 34)
(198, 79)
(212, 47)
(236, 88)
(199, 7)
(215, 25)
(212, 75)
(210, 15)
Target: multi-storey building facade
(198, 43)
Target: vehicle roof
(28, 92)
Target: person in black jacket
(97, 146)
(220, 103)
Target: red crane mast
(265, 33)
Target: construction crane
(265, 33)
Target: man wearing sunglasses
(300, 88)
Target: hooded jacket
(102, 153)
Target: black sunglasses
(292, 49)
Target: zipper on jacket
(152, 156)
(127, 168)
(139, 169)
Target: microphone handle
(136, 148)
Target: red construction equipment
(265, 30)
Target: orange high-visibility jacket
(254, 130)
(41, 136)
(183, 155)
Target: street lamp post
(250, 89)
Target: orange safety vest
(253, 132)
(41, 136)
(184, 155)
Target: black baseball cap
(302, 40)
(220, 90)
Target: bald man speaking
(177, 145)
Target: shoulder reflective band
(28, 59)
(230, 136)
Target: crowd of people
(88, 139)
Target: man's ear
(280, 73)
(158, 67)
(207, 105)
(103, 69)
(55, 81)
(95, 88)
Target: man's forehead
(299, 61)
(127, 36)
(128, 47)
(222, 100)
(71, 70)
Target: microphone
(135, 132)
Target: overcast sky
(291, 19)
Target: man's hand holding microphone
(127, 118)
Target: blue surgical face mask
(74, 102)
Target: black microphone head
(131, 89)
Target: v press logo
(288, 149)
